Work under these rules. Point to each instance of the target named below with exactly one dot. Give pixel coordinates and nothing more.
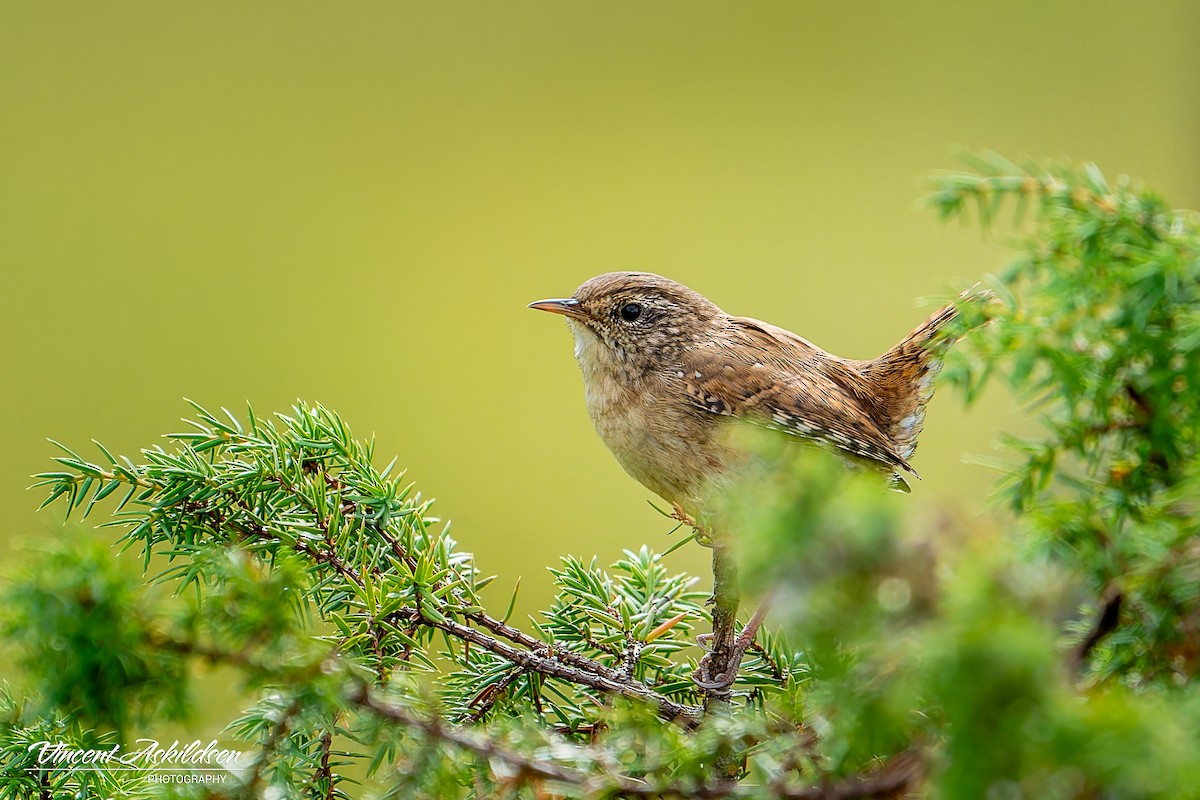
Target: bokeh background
(352, 203)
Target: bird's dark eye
(631, 311)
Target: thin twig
(324, 773)
(518, 636)
(1106, 623)
(552, 667)
(900, 774)
(477, 743)
(282, 727)
(486, 700)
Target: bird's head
(634, 322)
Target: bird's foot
(680, 515)
(724, 680)
(703, 531)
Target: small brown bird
(663, 367)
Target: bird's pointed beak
(568, 307)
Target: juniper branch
(310, 488)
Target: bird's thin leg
(741, 643)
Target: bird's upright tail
(901, 379)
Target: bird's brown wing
(771, 377)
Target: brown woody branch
(551, 666)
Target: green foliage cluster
(1097, 329)
(1049, 652)
(330, 587)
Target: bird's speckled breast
(643, 423)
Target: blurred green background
(352, 203)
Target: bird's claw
(723, 681)
(721, 684)
(703, 533)
(679, 515)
